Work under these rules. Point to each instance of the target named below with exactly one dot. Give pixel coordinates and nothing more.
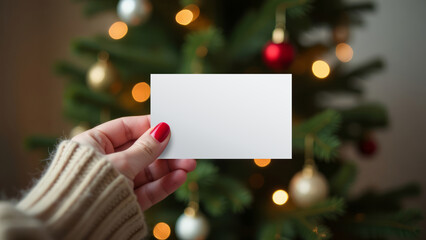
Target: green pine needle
(342, 180)
(217, 193)
(322, 127)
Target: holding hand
(133, 147)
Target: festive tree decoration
(308, 186)
(102, 74)
(134, 12)
(367, 146)
(278, 54)
(218, 37)
(192, 224)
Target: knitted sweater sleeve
(81, 196)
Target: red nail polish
(161, 131)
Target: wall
(33, 35)
(396, 32)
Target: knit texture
(81, 196)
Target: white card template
(224, 116)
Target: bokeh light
(161, 231)
(141, 92)
(320, 69)
(118, 30)
(280, 197)
(195, 11)
(344, 52)
(184, 17)
(201, 51)
(97, 74)
(262, 162)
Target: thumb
(143, 152)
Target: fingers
(151, 193)
(122, 130)
(143, 152)
(162, 167)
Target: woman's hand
(133, 148)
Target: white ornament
(307, 187)
(134, 12)
(192, 226)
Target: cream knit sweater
(81, 196)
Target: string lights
(161, 231)
(187, 15)
(320, 69)
(344, 52)
(141, 92)
(118, 30)
(262, 162)
(280, 197)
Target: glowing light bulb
(262, 162)
(184, 17)
(344, 52)
(320, 69)
(195, 11)
(161, 231)
(141, 92)
(280, 197)
(118, 30)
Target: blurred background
(35, 34)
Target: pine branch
(306, 221)
(93, 7)
(79, 112)
(372, 202)
(370, 115)
(68, 69)
(362, 70)
(327, 209)
(400, 224)
(342, 180)
(211, 40)
(312, 230)
(285, 230)
(322, 127)
(255, 28)
(217, 193)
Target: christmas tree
(304, 198)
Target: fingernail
(161, 131)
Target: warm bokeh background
(33, 34)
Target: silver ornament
(134, 12)
(192, 225)
(307, 187)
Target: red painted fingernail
(161, 131)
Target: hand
(133, 148)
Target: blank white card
(213, 116)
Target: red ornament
(367, 147)
(278, 56)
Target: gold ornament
(102, 75)
(80, 128)
(309, 185)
